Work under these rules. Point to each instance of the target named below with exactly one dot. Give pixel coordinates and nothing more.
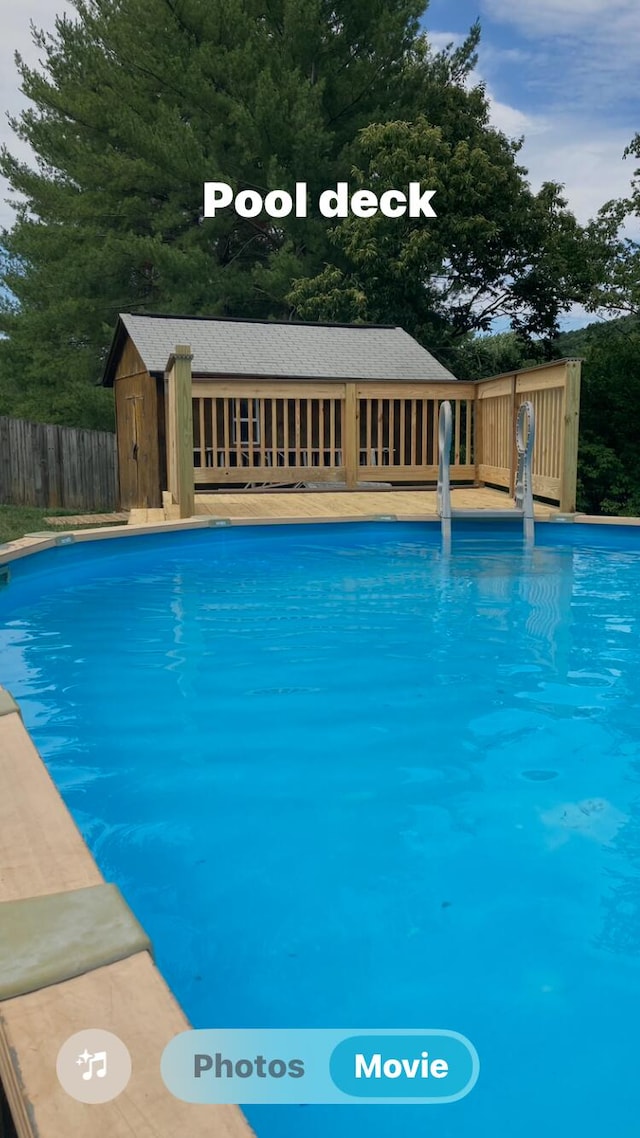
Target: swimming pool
(344, 780)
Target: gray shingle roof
(300, 351)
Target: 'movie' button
(432, 1067)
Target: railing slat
(414, 432)
(203, 433)
(263, 433)
(321, 442)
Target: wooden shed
(206, 403)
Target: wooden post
(180, 430)
(513, 448)
(351, 436)
(569, 468)
(477, 434)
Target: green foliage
(137, 104)
(609, 473)
(608, 466)
(617, 287)
(610, 412)
(16, 521)
(480, 357)
(495, 250)
(604, 486)
(32, 386)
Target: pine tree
(138, 104)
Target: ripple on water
(342, 780)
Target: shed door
(137, 426)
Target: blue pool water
(345, 781)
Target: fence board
(53, 467)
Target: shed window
(246, 427)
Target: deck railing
(247, 433)
(342, 433)
(554, 391)
(400, 432)
(555, 394)
(258, 432)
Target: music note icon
(93, 1065)
(99, 1058)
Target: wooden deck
(332, 504)
(303, 505)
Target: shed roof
(272, 349)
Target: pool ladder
(523, 492)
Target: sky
(561, 73)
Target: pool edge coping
(43, 852)
(24, 546)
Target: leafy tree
(617, 289)
(495, 250)
(609, 478)
(609, 418)
(141, 101)
(604, 486)
(479, 357)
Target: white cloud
(586, 157)
(586, 49)
(578, 144)
(583, 154)
(567, 17)
(588, 161)
(438, 41)
(513, 122)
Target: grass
(16, 521)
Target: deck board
(326, 503)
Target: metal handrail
(525, 438)
(524, 478)
(445, 422)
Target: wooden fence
(57, 467)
